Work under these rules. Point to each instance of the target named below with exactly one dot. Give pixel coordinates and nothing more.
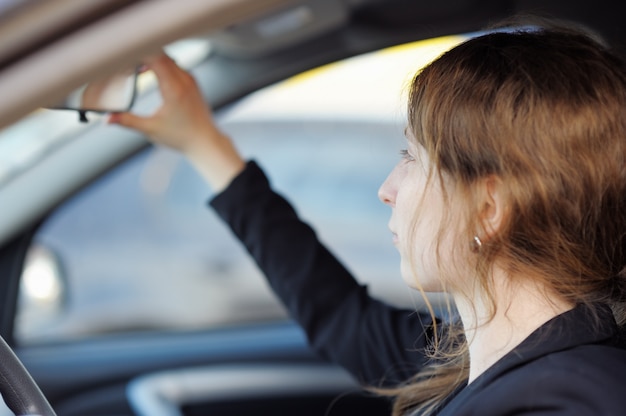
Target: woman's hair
(544, 111)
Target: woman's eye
(406, 155)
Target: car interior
(120, 292)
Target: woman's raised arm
(185, 122)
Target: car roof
(36, 72)
(42, 37)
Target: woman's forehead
(411, 141)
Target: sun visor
(305, 19)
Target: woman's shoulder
(584, 380)
(596, 362)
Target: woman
(510, 196)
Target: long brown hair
(544, 110)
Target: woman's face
(418, 209)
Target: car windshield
(326, 137)
(24, 143)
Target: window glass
(139, 249)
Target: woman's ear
(494, 209)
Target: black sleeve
(378, 344)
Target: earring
(476, 244)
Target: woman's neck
(520, 309)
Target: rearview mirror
(114, 93)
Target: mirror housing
(111, 94)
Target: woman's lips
(394, 236)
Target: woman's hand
(185, 122)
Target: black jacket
(573, 365)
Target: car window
(140, 250)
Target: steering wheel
(20, 392)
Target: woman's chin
(425, 286)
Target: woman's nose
(387, 191)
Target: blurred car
(122, 293)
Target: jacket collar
(579, 326)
